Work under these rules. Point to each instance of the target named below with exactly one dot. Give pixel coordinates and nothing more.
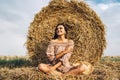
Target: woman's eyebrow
(59, 27)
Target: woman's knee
(43, 67)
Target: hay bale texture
(84, 27)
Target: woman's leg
(84, 68)
(75, 70)
(44, 67)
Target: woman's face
(60, 30)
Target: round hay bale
(84, 27)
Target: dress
(55, 48)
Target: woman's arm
(62, 53)
(68, 49)
(50, 51)
(56, 65)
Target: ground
(20, 68)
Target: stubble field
(20, 68)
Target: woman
(59, 52)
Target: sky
(16, 16)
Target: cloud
(103, 1)
(103, 6)
(12, 44)
(15, 19)
(16, 15)
(11, 41)
(109, 14)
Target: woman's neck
(62, 38)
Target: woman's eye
(60, 28)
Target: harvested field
(107, 69)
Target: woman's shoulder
(55, 41)
(70, 41)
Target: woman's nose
(58, 29)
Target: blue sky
(16, 15)
(104, 1)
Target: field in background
(24, 61)
(20, 68)
(14, 61)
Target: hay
(84, 27)
(105, 71)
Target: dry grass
(84, 27)
(107, 69)
(14, 61)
